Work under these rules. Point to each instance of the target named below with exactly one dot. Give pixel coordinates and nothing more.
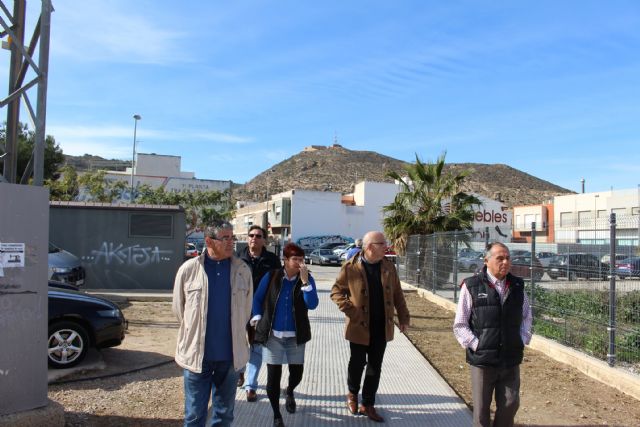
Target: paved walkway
(411, 392)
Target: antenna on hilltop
(335, 137)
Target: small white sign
(11, 255)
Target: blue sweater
(284, 321)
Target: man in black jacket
(260, 261)
(493, 324)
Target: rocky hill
(336, 168)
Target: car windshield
(326, 252)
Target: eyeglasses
(257, 236)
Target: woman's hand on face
(304, 273)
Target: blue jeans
(253, 367)
(218, 382)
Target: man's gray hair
(212, 230)
(487, 252)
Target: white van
(65, 267)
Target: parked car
(339, 250)
(575, 265)
(629, 267)
(545, 258)
(78, 321)
(331, 245)
(471, 263)
(519, 252)
(606, 258)
(190, 251)
(467, 252)
(65, 266)
(390, 252)
(323, 257)
(521, 267)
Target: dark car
(471, 263)
(78, 321)
(575, 265)
(521, 267)
(629, 267)
(323, 256)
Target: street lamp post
(136, 117)
(595, 218)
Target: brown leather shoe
(370, 412)
(240, 380)
(352, 403)
(252, 396)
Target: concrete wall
(24, 212)
(112, 258)
(316, 213)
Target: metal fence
(585, 293)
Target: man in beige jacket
(212, 299)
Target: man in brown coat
(367, 290)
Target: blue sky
(550, 88)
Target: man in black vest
(260, 261)
(493, 324)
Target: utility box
(124, 246)
(24, 233)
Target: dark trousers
(505, 382)
(370, 355)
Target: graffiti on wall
(110, 253)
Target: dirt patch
(551, 393)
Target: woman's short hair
(291, 249)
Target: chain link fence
(584, 288)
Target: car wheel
(68, 344)
(472, 268)
(537, 276)
(553, 276)
(572, 276)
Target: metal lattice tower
(23, 63)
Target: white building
(584, 217)
(158, 170)
(295, 214)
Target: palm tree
(430, 200)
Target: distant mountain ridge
(335, 168)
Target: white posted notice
(11, 255)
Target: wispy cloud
(113, 32)
(110, 141)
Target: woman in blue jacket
(280, 315)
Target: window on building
(150, 225)
(619, 211)
(635, 211)
(248, 220)
(566, 219)
(585, 218)
(278, 210)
